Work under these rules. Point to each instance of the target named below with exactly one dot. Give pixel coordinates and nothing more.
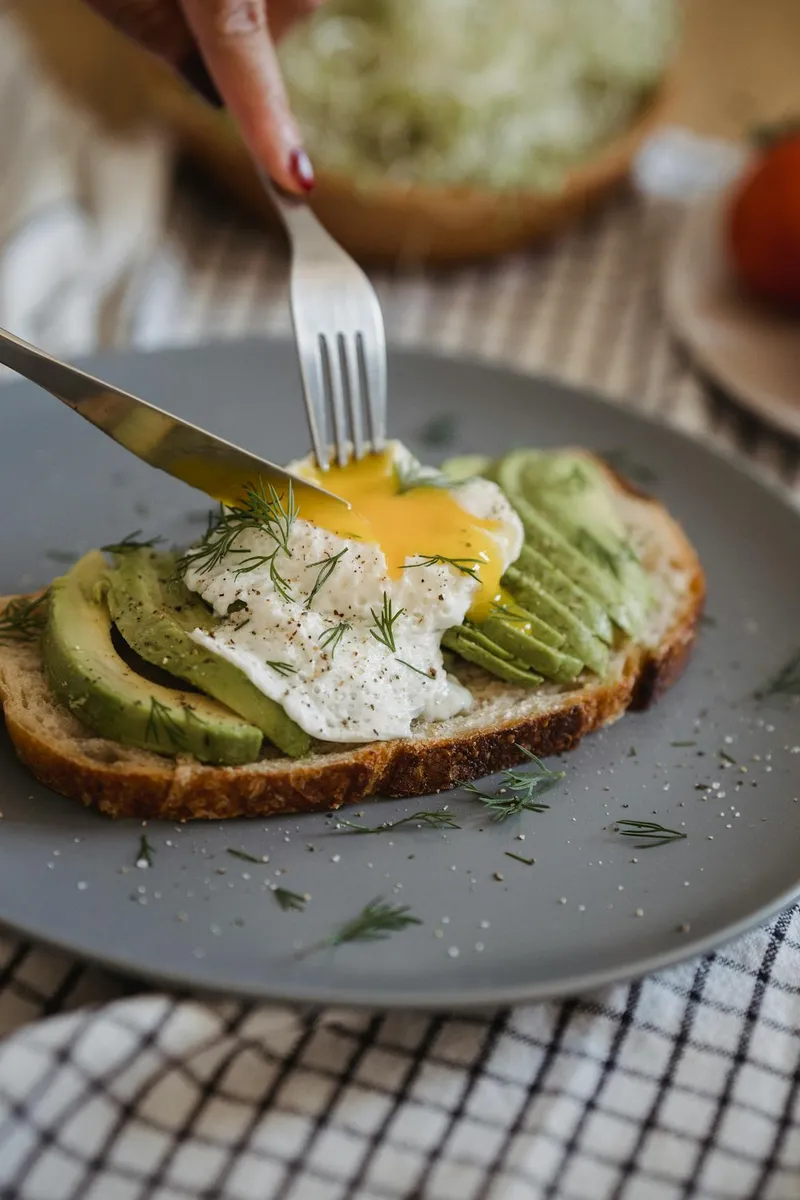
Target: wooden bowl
(408, 224)
(383, 222)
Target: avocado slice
(469, 643)
(569, 530)
(466, 466)
(89, 677)
(572, 492)
(513, 637)
(580, 640)
(507, 609)
(558, 585)
(155, 613)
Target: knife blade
(213, 465)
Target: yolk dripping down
(420, 522)
(503, 603)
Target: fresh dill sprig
(376, 921)
(502, 806)
(652, 833)
(244, 856)
(23, 618)
(439, 431)
(331, 638)
(290, 901)
(437, 818)
(326, 568)
(520, 858)
(161, 724)
(255, 562)
(213, 518)
(504, 613)
(576, 480)
(264, 510)
(467, 566)
(416, 670)
(274, 515)
(785, 683)
(413, 475)
(131, 541)
(283, 668)
(520, 790)
(383, 630)
(145, 854)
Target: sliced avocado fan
(570, 518)
(89, 677)
(577, 586)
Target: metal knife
(183, 450)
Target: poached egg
(342, 622)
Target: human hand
(235, 40)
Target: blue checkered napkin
(684, 1084)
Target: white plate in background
(750, 350)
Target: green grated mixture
(500, 93)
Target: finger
(233, 37)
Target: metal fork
(340, 336)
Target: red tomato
(764, 225)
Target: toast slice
(126, 782)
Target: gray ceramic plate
(592, 908)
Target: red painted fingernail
(302, 170)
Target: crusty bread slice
(126, 782)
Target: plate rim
(184, 983)
(191, 982)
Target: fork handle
(305, 232)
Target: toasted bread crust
(145, 785)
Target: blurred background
(131, 216)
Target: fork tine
(373, 381)
(314, 396)
(333, 379)
(348, 357)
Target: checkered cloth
(684, 1084)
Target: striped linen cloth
(683, 1084)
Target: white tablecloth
(684, 1084)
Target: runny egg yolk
(421, 522)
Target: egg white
(361, 690)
